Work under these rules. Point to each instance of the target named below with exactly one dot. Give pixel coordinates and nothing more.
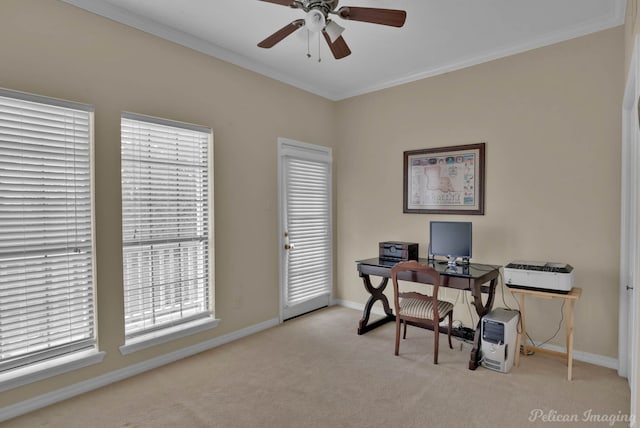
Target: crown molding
(165, 32)
(615, 18)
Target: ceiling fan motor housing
(325, 6)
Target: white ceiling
(438, 36)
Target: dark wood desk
(472, 277)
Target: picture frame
(445, 180)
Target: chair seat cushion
(419, 308)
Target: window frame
(188, 325)
(69, 356)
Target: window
(165, 224)
(46, 245)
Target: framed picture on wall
(445, 180)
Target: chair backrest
(415, 272)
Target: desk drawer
(381, 271)
(455, 282)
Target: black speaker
(398, 251)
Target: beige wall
(551, 121)
(54, 49)
(550, 118)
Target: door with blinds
(306, 247)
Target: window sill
(46, 369)
(166, 335)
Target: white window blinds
(46, 279)
(165, 223)
(308, 216)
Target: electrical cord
(557, 330)
(502, 286)
(520, 321)
(504, 302)
(521, 350)
(454, 304)
(468, 303)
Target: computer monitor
(451, 239)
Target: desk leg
(569, 314)
(377, 293)
(482, 310)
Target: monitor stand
(451, 260)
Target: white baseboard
(599, 360)
(376, 310)
(70, 391)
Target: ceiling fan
(318, 20)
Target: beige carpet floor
(315, 371)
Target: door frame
(629, 324)
(289, 147)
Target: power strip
(465, 332)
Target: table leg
(569, 324)
(377, 293)
(518, 338)
(482, 310)
(569, 315)
(523, 334)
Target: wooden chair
(417, 308)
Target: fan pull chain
(309, 46)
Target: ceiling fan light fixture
(314, 21)
(317, 21)
(333, 30)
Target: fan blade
(290, 3)
(339, 48)
(391, 17)
(276, 37)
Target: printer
(542, 276)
